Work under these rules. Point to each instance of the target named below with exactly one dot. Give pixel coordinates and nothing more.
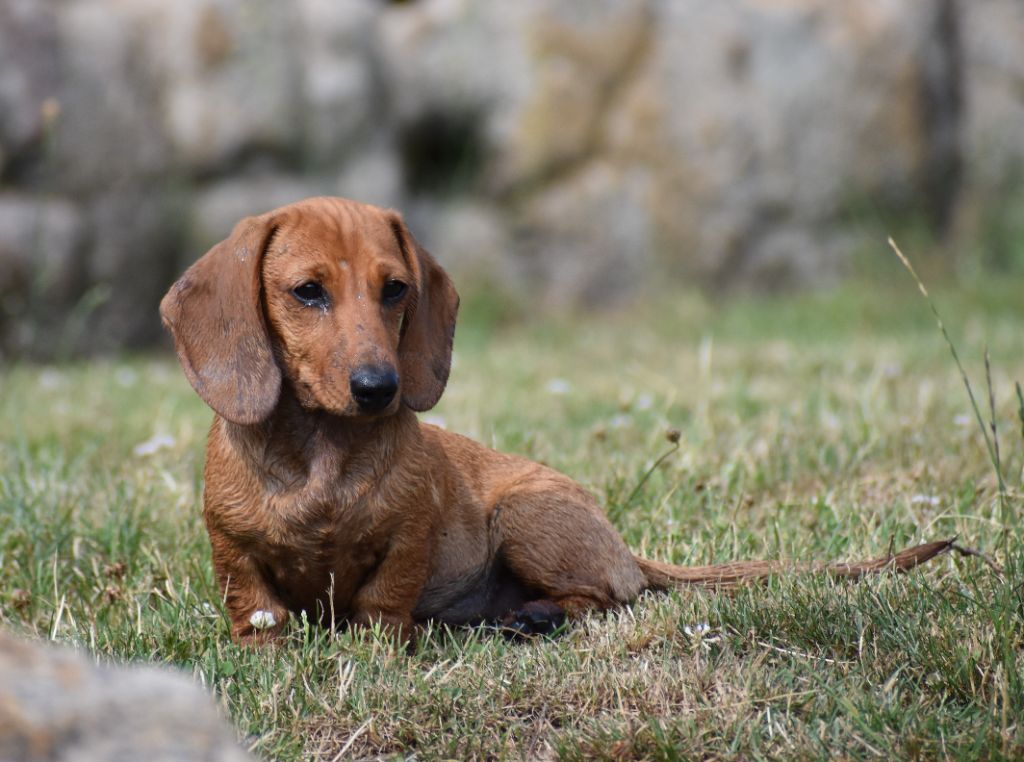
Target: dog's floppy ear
(428, 328)
(215, 315)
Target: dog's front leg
(257, 614)
(393, 589)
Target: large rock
(526, 131)
(57, 705)
(458, 60)
(588, 237)
(732, 135)
(136, 234)
(537, 75)
(42, 243)
(232, 80)
(764, 120)
(471, 238)
(992, 38)
(216, 210)
(28, 79)
(373, 175)
(109, 101)
(342, 95)
(990, 217)
(174, 90)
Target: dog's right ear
(215, 315)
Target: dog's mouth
(321, 397)
(356, 413)
(343, 406)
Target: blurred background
(573, 153)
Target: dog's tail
(724, 576)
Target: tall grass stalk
(991, 441)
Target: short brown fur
(312, 505)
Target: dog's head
(335, 297)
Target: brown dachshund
(316, 332)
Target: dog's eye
(393, 291)
(311, 294)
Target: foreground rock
(57, 705)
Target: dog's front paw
(533, 618)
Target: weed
(989, 432)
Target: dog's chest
(322, 548)
(323, 523)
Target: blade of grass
(1020, 409)
(993, 450)
(672, 435)
(992, 424)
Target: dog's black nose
(373, 388)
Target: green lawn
(824, 426)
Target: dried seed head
(21, 599)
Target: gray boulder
(231, 80)
(762, 122)
(28, 79)
(730, 138)
(220, 205)
(57, 705)
(42, 247)
(109, 94)
(41, 240)
(343, 102)
(992, 37)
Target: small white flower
(962, 420)
(703, 634)
(434, 420)
(125, 377)
(924, 500)
(831, 422)
(262, 620)
(50, 379)
(559, 386)
(699, 629)
(619, 421)
(154, 444)
(644, 402)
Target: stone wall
(580, 148)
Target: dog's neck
(296, 446)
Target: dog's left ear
(428, 328)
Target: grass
(822, 426)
